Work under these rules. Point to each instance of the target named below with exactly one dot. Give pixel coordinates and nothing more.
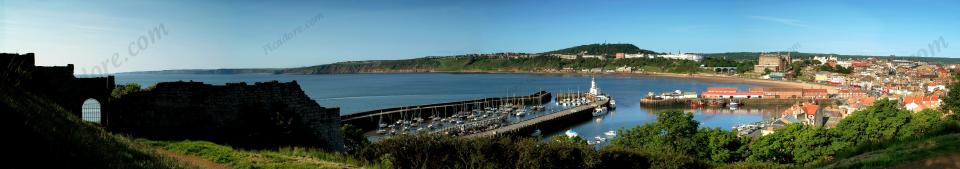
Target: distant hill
(209, 71)
(602, 49)
(527, 62)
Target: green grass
(903, 152)
(293, 157)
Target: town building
(779, 93)
(773, 62)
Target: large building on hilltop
(776, 62)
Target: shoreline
(699, 77)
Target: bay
(362, 92)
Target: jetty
(369, 120)
(548, 123)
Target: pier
(548, 123)
(369, 120)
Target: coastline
(700, 77)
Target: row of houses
(765, 93)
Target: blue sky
(207, 34)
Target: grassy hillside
(936, 152)
(43, 135)
(602, 49)
(283, 158)
(46, 136)
(537, 63)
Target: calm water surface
(362, 92)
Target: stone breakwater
(266, 114)
(368, 120)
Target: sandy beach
(701, 77)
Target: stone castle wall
(263, 114)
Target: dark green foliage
(616, 157)
(476, 63)
(795, 143)
(676, 132)
(837, 69)
(746, 66)
(353, 138)
(121, 90)
(951, 103)
(721, 146)
(882, 121)
(719, 62)
(602, 49)
(433, 151)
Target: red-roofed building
(721, 90)
(779, 93)
(851, 93)
(810, 109)
(815, 93)
(918, 103)
(732, 95)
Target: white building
(594, 90)
(683, 56)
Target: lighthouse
(593, 87)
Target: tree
(923, 123)
(353, 138)
(880, 122)
(121, 90)
(720, 146)
(795, 143)
(951, 103)
(673, 131)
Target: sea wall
(265, 114)
(368, 120)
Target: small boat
(599, 139)
(610, 133)
(733, 105)
(599, 111)
(537, 133)
(521, 113)
(570, 133)
(613, 104)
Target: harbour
(355, 93)
(507, 116)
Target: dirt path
(941, 161)
(189, 160)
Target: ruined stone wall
(260, 115)
(56, 83)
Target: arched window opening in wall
(90, 110)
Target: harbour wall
(744, 102)
(368, 120)
(553, 122)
